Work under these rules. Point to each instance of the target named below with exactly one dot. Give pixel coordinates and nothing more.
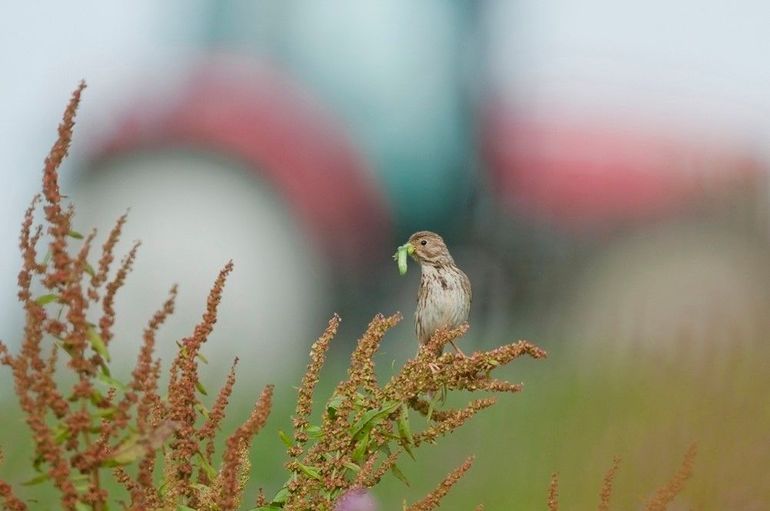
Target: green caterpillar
(400, 256)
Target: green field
(576, 413)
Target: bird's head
(429, 248)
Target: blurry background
(599, 170)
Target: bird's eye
(424, 242)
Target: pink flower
(357, 499)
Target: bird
(444, 296)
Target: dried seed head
(675, 485)
(433, 499)
(553, 493)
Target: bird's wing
(466, 283)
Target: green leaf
(182, 507)
(46, 299)
(105, 412)
(97, 343)
(201, 388)
(89, 270)
(431, 406)
(127, 452)
(399, 475)
(62, 433)
(66, 346)
(202, 409)
(373, 417)
(405, 431)
(352, 466)
(360, 448)
(334, 403)
(280, 497)
(206, 466)
(38, 479)
(96, 397)
(285, 439)
(81, 484)
(310, 471)
(314, 432)
(38, 462)
(76, 235)
(385, 448)
(80, 506)
(110, 381)
(202, 358)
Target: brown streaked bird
(444, 297)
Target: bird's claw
(458, 350)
